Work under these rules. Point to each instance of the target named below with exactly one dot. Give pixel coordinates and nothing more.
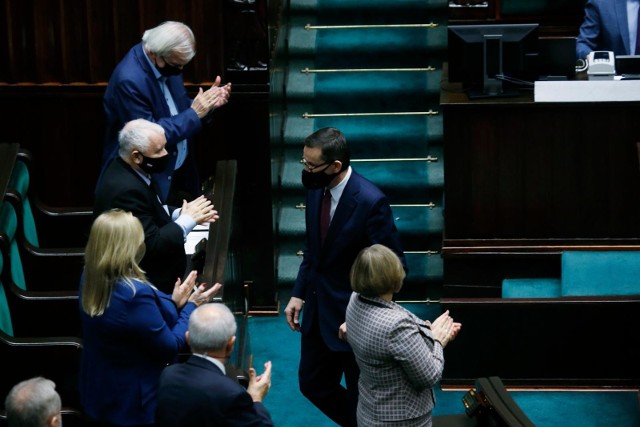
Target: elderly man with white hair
(148, 84)
(127, 184)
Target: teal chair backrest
(531, 288)
(5, 315)
(600, 273)
(9, 225)
(19, 182)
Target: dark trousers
(320, 375)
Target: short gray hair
(170, 37)
(376, 271)
(210, 327)
(32, 403)
(136, 134)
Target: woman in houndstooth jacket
(399, 355)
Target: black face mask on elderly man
(154, 164)
(169, 70)
(316, 180)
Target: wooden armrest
(56, 358)
(51, 269)
(43, 314)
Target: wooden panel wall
(81, 41)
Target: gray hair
(210, 327)
(32, 403)
(170, 37)
(376, 271)
(136, 134)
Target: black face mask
(154, 164)
(316, 180)
(169, 70)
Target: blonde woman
(131, 330)
(399, 355)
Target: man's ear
(230, 345)
(55, 421)
(136, 156)
(186, 337)
(337, 166)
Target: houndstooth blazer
(399, 362)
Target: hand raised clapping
(444, 329)
(200, 209)
(214, 97)
(187, 291)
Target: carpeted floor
(271, 339)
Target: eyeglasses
(310, 166)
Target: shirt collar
(214, 361)
(336, 192)
(144, 177)
(156, 73)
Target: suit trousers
(320, 375)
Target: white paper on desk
(587, 91)
(193, 239)
(203, 227)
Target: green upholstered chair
(600, 273)
(531, 288)
(44, 269)
(583, 274)
(44, 226)
(6, 326)
(29, 312)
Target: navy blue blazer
(125, 350)
(362, 218)
(197, 394)
(132, 93)
(164, 259)
(605, 27)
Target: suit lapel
(346, 205)
(153, 194)
(623, 27)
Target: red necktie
(325, 215)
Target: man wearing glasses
(148, 84)
(344, 214)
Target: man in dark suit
(608, 25)
(126, 184)
(359, 215)
(198, 393)
(148, 84)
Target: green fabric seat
(600, 273)
(5, 315)
(531, 288)
(19, 182)
(9, 225)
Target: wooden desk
(567, 342)
(525, 180)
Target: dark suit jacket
(164, 260)
(196, 393)
(125, 350)
(362, 218)
(133, 92)
(605, 27)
